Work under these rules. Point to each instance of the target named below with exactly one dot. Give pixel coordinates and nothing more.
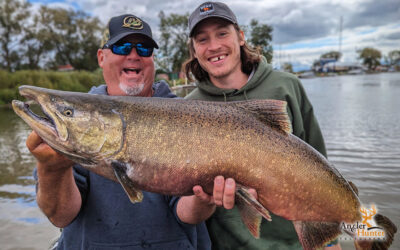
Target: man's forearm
(58, 196)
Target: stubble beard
(225, 73)
(132, 90)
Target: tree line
(33, 44)
(57, 36)
(47, 39)
(370, 57)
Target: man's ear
(100, 57)
(241, 38)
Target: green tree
(394, 57)
(37, 42)
(13, 15)
(332, 54)
(74, 35)
(287, 67)
(261, 37)
(370, 57)
(316, 63)
(173, 42)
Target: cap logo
(133, 23)
(206, 8)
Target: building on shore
(67, 67)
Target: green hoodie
(225, 226)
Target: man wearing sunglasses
(94, 212)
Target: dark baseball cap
(124, 25)
(210, 9)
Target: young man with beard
(227, 69)
(94, 212)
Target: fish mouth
(46, 119)
(42, 124)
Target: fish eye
(68, 112)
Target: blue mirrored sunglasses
(125, 49)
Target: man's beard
(132, 90)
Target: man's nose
(214, 44)
(133, 55)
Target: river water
(359, 117)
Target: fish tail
(390, 230)
(314, 235)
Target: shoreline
(6, 105)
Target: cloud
(375, 13)
(303, 29)
(393, 36)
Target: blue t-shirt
(108, 220)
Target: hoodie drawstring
(245, 95)
(244, 92)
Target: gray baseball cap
(124, 25)
(210, 9)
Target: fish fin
(314, 235)
(251, 211)
(354, 187)
(134, 194)
(390, 230)
(272, 112)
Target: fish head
(84, 127)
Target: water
(359, 118)
(358, 115)
(23, 226)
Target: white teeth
(132, 70)
(214, 59)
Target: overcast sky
(303, 29)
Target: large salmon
(168, 146)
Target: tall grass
(80, 81)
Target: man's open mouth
(217, 58)
(132, 70)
